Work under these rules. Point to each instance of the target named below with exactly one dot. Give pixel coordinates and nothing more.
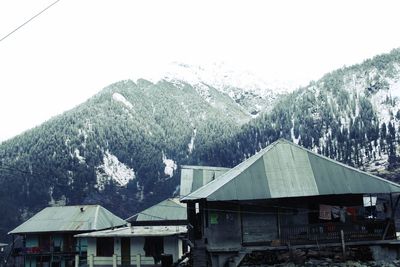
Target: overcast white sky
(78, 47)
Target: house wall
(30, 242)
(58, 241)
(173, 246)
(103, 261)
(222, 225)
(137, 244)
(236, 224)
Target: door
(125, 251)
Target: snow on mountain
(120, 98)
(170, 166)
(222, 76)
(191, 144)
(78, 156)
(248, 90)
(113, 170)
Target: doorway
(125, 251)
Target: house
(48, 237)
(286, 196)
(167, 212)
(151, 234)
(155, 232)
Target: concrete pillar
(77, 260)
(138, 260)
(114, 260)
(91, 260)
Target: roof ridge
(254, 157)
(214, 186)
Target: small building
(167, 212)
(154, 233)
(284, 197)
(48, 237)
(134, 245)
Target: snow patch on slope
(120, 98)
(170, 166)
(191, 144)
(80, 158)
(113, 170)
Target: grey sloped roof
(194, 177)
(284, 169)
(168, 210)
(70, 219)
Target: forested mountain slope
(351, 115)
(119, 149)
(123, 147)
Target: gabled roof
(138, 231)
(168, 210)
(194, 177)
(70, 219)
(284, 169)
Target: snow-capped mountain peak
(247, 89)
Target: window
(105, 247)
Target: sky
(76, 48)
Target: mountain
(251, 92)
(122, 148)
(351, 115)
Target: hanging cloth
(325, 212)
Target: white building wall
(171, 246)
(91, 246)
(137, 244)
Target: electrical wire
(29, 20)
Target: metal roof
(70, 219)
(138, 231)
(194, 177)
(3, 245)
(212, 168)
(284, 169)
(168, 210)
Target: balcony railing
(331, 232)
(44, 251)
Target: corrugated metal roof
(138, 231)
(284, 169)
(211, 168)
(70, 218)
(194, 177)
(168, 210)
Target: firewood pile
(329, 256)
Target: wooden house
(286, 196)
(48, 237)
(152, 234)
